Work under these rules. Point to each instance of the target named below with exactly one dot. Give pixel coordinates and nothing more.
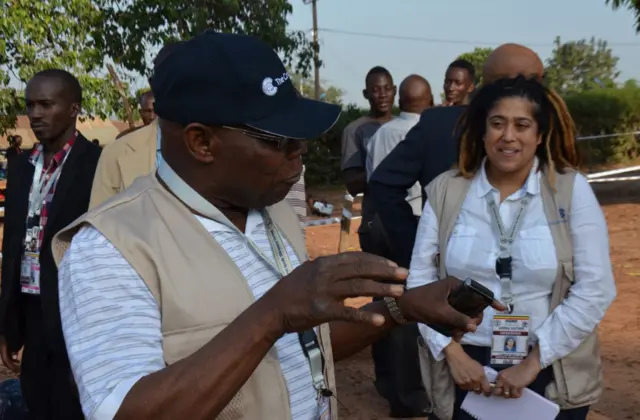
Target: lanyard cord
(41, 186)
(503, 263)
(308, 339)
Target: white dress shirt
(388, 136)
(473, 249)
(112, 325)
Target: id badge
(30, 273)
(324, 407)
(510, 341)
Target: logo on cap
(268, 88)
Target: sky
(469, 23)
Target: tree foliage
(477, 57)
(632, 5)
(80, 35)
(130, 28)
(576, 66)
(606, 111)
(39, 35)
(328, 93)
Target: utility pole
(316, 48)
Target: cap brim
(306, 119)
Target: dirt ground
(619, 332)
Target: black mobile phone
(471, 299)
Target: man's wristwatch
(394, 311)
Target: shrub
(322, 160)
(607, 111)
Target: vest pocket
(578, 376)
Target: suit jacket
(430, 148)
(123, 161)
(70, 201)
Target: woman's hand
(467, 373)
(511, 381)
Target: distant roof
(104, 131)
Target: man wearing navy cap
(188, 295)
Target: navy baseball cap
(222, 79)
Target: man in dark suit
(47, 189)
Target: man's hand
(314, 293)
(429, 304)
(9, 359)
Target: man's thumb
(458, 320)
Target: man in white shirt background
(396, 356)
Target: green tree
(632, 5)
(328, 93)
(39, 35)
(131, 28)
(79, 35)
(477, 57)
(576, 66)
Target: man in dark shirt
(380, 92)
(429, 149)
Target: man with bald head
(415, 97)
(510, 60)
(395, 357)
(429, 149)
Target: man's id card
(30, 273)
(510, 343)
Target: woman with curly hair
(526, 225)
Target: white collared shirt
(112, 324)
(388, 136)
(473, 249)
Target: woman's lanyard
(308, 339)
(42, 185)
(503, 263)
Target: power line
(450, 41)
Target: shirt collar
(531, 185)
(409, 116)
(58, 158)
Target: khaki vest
(578, 376)
(197, 286)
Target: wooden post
(345, 223)
(123, 94)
